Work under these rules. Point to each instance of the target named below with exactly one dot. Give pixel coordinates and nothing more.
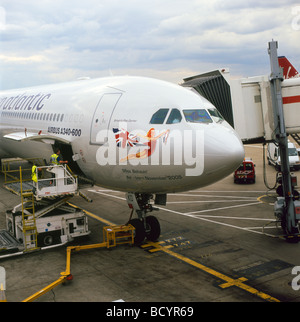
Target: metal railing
(60, 182)
(52, 180)
(12, 175)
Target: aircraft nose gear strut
(145, 226)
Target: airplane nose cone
(234, 152)
(232, 149)
(226, 151)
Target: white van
(274, 157)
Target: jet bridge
(246, 103)
(262, 109)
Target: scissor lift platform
(62, 182)
(43, 218)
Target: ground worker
(34, 176)
(55, 158)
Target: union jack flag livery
(124, 138)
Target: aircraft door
(102, 115)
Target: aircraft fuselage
(126, 133)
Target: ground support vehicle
(43, 218)
(275, 160)
(245, 172)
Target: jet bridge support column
(289, 220)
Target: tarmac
(217, 244)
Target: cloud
(62, 40)
(22, 60)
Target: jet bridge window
(159, 116)
(197, 116)
(175, 117)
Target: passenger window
(159, 116)
(197, 116)
(175, 117)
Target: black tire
(279, 191)
(48, 238)
(139, 232)
(152, 228)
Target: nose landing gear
(145, 226)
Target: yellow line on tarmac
(107, 222)
(228, 280)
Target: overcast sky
(48, 41)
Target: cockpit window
(216, 115)
(197, 116)
(175, 117)
(159, 116)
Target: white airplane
(142, 136)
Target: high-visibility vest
(33, 174)
(53, 159)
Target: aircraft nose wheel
(139, 232)
(145, 226)
(152, 228)
(149, 230)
